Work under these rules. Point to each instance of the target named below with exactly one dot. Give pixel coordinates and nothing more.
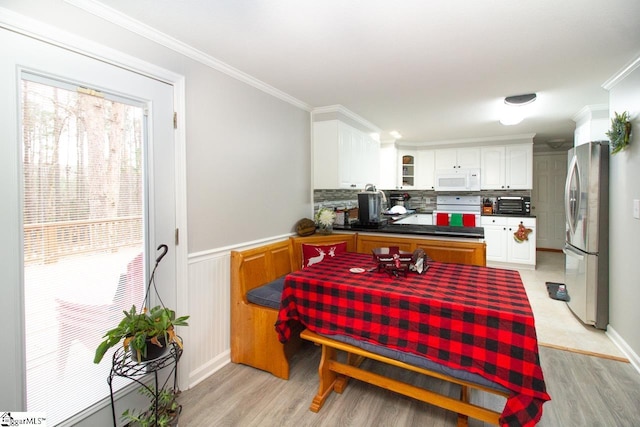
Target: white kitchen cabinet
(388, 167)
(343, 156)
(502, 248)
(425, 169)
(416, 169)
(494, 236)
(457, 158)
(492, 168)
(407, 169)
(519, 166)
(507, 167)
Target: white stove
(459, 205)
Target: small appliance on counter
(370, 209)
(399, 199)
(513, 205)
(487, 206)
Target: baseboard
(634, 358)
(208, 369)
(585, 352)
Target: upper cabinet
(388, 166)
(416, 169)
(507, 167)
(425, 174)
(457, 158)
(343, 156)
(407, 169)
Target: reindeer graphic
(316, 259)
(321, 255)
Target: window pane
(83, 238)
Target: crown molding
(339, 109)
(525, 137)
(117, 18)
(38, 30)
(620, 75)
(589, 112)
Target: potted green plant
(166, 414)
(139, 330)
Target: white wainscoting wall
(209, 290)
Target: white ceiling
(432, 69)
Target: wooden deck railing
(46, 242)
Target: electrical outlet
(636, 208)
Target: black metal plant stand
(124, 366)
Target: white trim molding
(634, 358)
(339, 109)
(620, 75)
(117, 18)
(488, 140)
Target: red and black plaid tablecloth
(466, 317)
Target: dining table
(471, 318)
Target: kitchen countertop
(423, 230)
(510, 215)
(419, 230)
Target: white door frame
(23, 25)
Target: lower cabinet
(502, 245)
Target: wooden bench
(254, 341)
(335, 374)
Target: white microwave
(458, 180)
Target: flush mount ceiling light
(395, 134)
(514, 109)
(519, 100)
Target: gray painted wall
(624, 230)
(248, 159)
(248, 152)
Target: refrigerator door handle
(569, 251)
(571, 200)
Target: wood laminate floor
(585, 391)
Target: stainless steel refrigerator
(587, 225)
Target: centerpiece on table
(325, 217)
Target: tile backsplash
(421, 200)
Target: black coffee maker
(370, 209)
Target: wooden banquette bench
(254, 341)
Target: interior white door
(547, 199)
(23, 54)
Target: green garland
(620, 132)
